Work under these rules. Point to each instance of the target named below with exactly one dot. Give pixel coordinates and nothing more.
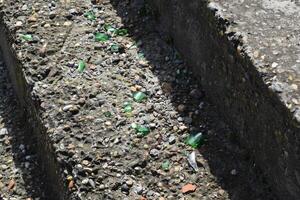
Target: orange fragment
(11, 184)
(71, 185)
(188, 188)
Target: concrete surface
(251, 72)
(245, 54)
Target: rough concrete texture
(86, 142)
(251, 71)
(20, 177)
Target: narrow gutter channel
(20, 174)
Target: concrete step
(247, 57)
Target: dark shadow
(19, 143)
(234, 169)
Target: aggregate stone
(154, 152)
(3, 132)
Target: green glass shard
(141, 56)
(26, 37)
(115, 48)
(81, 66)
(90, 15)
(101, 37)
(127, 107)
(165, 165)
(121, 32)
(140, 129)
(139, 96)
(195, 140)
(108, 28)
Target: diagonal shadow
(20, 144)
(233, 168)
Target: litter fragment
(114, 48)
(139, 96)
(140, 129)
(81, 66)
(26, 37)
(101, 37)
(128, 107)
(71, 185)
(188, 188)
(195, 140)
(165, 165)
(121, 32)
(141, 55)
(143, 131)
(11, 184)
(192, 161)
(90, 15)
(108, 28)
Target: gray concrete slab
(270, 32)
